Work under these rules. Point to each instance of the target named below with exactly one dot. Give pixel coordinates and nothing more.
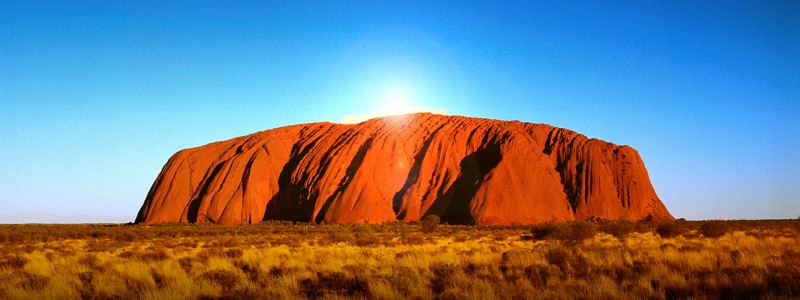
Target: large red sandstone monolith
(465, 170)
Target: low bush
(573, 231)
(334, 283)
(671, 229)
(153, 255)
(405, 280)
(233, 253)
(547, 230)
(226, 279)
(430, 223)
(13, 262)
(34, 282)
(618, 229)
(581, 230)
(714, 229)
(443, 276)
(559, 257)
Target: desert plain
(595, 259)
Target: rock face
(465, 170)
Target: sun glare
(393, 100)
(396, 100)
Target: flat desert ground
(282, 260)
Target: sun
(396, 100)
(391, 100)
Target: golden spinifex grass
(589, 260)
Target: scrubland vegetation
(579, 260)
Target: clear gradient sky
(96, 96)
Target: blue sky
(95, 96)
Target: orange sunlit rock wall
(465, 170)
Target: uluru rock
(403, 168)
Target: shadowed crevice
(572, 185)
(247, 170)
(355, 163)
(194, 205)
(413, 175)
(286, 204)
(453, 206)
